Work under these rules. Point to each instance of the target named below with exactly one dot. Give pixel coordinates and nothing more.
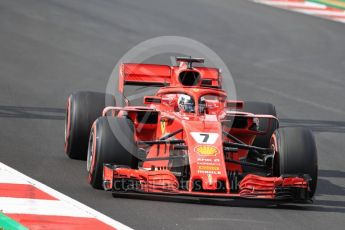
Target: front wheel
(111, 141)
(296, 154)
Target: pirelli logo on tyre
(206, 150)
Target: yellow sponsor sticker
(208, 167)
(206, 150)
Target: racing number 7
(206, 136)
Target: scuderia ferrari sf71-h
(188, 139)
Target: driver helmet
(186, 104)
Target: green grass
(7, 223)
(340, 4)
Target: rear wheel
(111, 141)
(296, 154)
(83, 108)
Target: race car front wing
(284, 188)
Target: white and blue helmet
(186, 103)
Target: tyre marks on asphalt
(59, 114)
(32, 112)
(315, 125)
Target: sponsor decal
(209, 172)
(206, 150)
(208, 161)
(208, 167)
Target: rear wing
(164, 75)
(144, 74)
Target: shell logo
(206, 150)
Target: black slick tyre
(111, 141)
(82, 109)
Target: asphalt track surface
(50, 48)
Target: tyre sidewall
(107, 148)
(83, 108)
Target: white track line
(73, 204)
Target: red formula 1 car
(189, 139)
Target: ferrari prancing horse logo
(163, 126)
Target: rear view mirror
(152, 100)
(230, 104)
